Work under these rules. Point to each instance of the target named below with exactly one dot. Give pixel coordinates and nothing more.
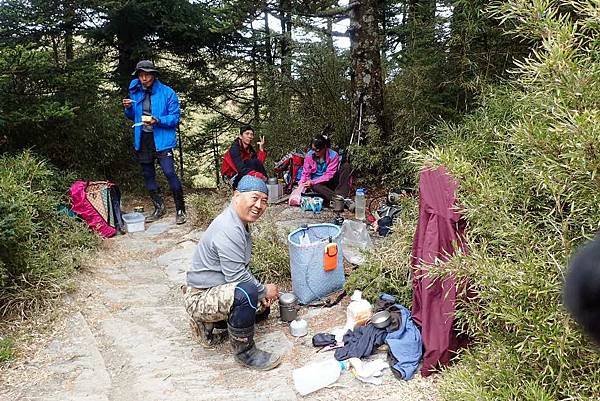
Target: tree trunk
(367, 81)
(216, 158)
(255, 99)
(69, 31)
(286, 38)
(268, 49)
(286, 55)
(330, 35)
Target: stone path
(126, 338)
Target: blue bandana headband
(250, 183)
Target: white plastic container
(134, 222)
(360, 204)
(358, 312)
(275, 192)
(317, 375)
(299, 327)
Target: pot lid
(287, 298)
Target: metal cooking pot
(288, 307)
(338, 203)
(381, 319)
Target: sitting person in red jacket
(241, 159)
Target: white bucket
(134, 222)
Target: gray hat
(145, 65)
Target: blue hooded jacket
(405, 343)
(165, 108)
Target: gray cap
(144, 65)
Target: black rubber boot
(159, 207)
(246, 353)
(180, 216)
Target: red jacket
(236, 155)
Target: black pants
(245, 302)
(338, 185)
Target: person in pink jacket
(324, 174)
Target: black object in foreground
(582, 288)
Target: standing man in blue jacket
(154, 109)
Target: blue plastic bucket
(310, 281)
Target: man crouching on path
(221, 288)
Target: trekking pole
(180, 150)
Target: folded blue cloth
(405, 344)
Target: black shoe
(159, 207)
(246, 353)
(180, 217)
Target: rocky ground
(123, 336)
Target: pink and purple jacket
(310, 167)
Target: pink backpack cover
(81, 205)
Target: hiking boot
(246, 353)
(205, 334)
(159, 207)
(180, 217)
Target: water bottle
(304, 238)
(358, 312)
(360, 204)
(317, 375)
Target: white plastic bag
(355, 237)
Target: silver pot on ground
(338, 203)
(288, 307)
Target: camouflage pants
(210, 304)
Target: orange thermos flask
(330, 257)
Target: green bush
(527, 164)
(270, 258)
(204, 207)
(6, 350)
(39, 246)
(64, 110)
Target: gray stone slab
(150, 349)
(177, 261)
(158, 228)
(70, 368)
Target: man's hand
(308, 183)
(261, 143)
(272, 293)
(149, 120)
(127, 103)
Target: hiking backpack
(290, 166)
(98, 203)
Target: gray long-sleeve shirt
(223, 254)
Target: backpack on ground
(290, 166)
(98, 203)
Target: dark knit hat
(245, 128)
(249, 183)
